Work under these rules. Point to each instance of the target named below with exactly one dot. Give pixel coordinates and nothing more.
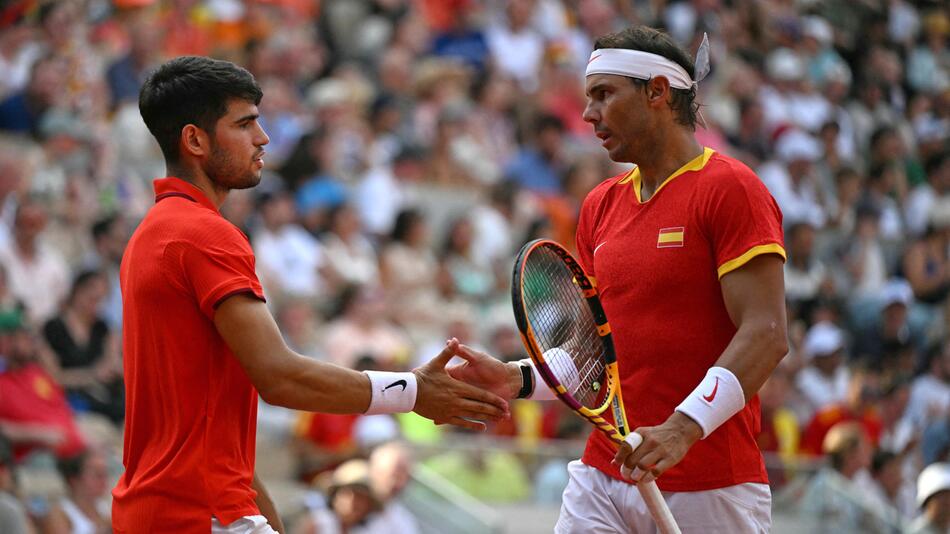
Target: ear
(658, 90)
(194, 141)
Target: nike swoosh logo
(404, 384)
(711, 396)
(597, 247)
(591, 60)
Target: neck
(198, 178)
(27, 247)
(671, 154)
(80, 316)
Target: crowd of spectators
(414, 146)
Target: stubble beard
(225, 173)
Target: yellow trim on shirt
(732, 265)
(694, 164)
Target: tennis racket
(565, 331)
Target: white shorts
(249, 524)
(596, 503)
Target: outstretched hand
(486, 372)
(445, 399)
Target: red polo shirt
(191, 411)
(658, 264)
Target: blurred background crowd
(414, 146)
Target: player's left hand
(663, 447)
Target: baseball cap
(785, 65)
(796, 145)
(897, 291)
(11, 321)
(818, 28)
(823, 339)
(351, 473)
(932, 480)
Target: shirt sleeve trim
(240, 291)
(733, 264)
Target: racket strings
(564, 327)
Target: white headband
(644, 65)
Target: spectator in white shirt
(930, 392)
(791, 178)
(36, 274)
(288, 257)
(824, 381)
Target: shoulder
(602, 191)
(199, 227)
(725, 172)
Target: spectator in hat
(390, 466)
(791, 178)
(933, 497)
(891, 333)
(352, 503)
(833, 496)
(860, 405)
(824, 381)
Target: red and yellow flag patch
(670, 237)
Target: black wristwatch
(527, 380)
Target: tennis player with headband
(686, 250)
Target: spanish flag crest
(670, 237)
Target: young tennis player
(686, 250)
(199, 342)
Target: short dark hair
(83, 279)
(70, 467)
(192, 90)
(646, 39)
(103, 226)
(403, 224)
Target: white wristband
(541, 391)
(714, 401)
(392, 392)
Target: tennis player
(686, 250)
(199, 342)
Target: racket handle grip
(665, 523)
(651, 495)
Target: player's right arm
(285, 378)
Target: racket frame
(655, 503)
(588, 290)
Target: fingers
(450, 350)
(466, 423)
(458, 371)
(648, 467)
(481, 410)
(468, 354)
(623, 452)
(480, 395)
